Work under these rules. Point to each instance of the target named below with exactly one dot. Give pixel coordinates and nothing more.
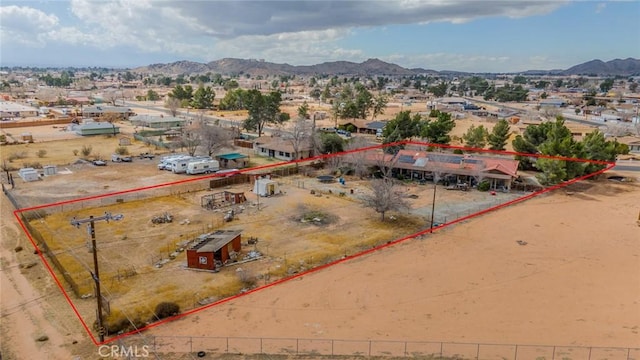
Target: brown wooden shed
(212, 247)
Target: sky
(470, 35)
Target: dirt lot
(130, 249)
(575, 282)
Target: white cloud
(297, 32)
(600, 7)
(25, 25)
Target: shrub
(41, 153)
(35, 165)
(121, 150)
(86, 150)
(75, 152)
(458, 151)
(166, 309)
(484, 185)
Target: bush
(166, 309)
(41, 153)
(75, 152)
(86, 150)
(121, 150)
(484, 186)
(35, 165)
(458, 151)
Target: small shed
(265, 187)
(124, 141)
(212, 250)
(233, 160)
(50, 170)
(26, 136)
(28, 174)
(97, 128)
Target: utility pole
(433, 203)
(96, 274)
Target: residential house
(97, 112)
(282, 148)
(454, 168)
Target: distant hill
(371, 67)
(624, 67)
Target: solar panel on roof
(406, 159)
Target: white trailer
(179, 166)
(202, 167)
(164, 163)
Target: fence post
(515, 356)
(297, 345)
(478, 352)
(553, 356)
(227, 344)
(628, 353)
(589, 353)
(191, 344)
(369, 347)
(405, 348)
(261, 352)
(331, 347)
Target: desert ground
(575, 282)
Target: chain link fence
(375, 348)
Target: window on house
(202, 260)
(281, 153)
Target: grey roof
(96, 126)
(215, 241)
(155, 119)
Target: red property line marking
(609, 166)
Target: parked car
(99, 163)
(121, 158)
(147, 155)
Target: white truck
(203, 166)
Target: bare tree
(358, 159)
(385, 197)
(110, 96)
(214, 138)
(300, 136)
(192, 138)
(172, 104)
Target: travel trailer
(179, 166)
(202, 167)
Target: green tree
(203, 98)
(606, 85)
(437, 131)
(263, 110)
(439, 90)
(476, 137)
(499, 135)
(182, 93)
(559, 143)
(303, 111)
(596, 147)
(379, 104)
(152, 95)
(331, 143)
(519, 79)
(402, 127)
(234, 100)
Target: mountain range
(371, 67)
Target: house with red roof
(469, 169)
